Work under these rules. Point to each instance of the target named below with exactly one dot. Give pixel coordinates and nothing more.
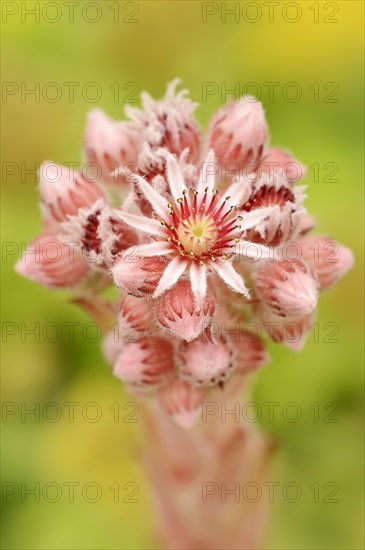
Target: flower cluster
(208, 243)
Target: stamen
(228, 226)
(218, 212)
(195, 201)
(202, 206)
(228, 213)
(210, 207)
(186, 205)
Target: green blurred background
(170, 39)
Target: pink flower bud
(205, 363)
(138, 275)
(109, 144)
(249, 351)
(178, 312)
(168, 122)
(306, 224)
(282, 223)
(238, 133)
(51, 262)
(182, 401)
(288, 288)
(112, 345)
(329, 260)
(115, 236)
(83, 229)
(282, 161)
(291, 332)
(64, 191)
(136, 317)
(145, 364)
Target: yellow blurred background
(309, 55)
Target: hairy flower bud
(288, 288)
(178, 312)
(249, 351)
(238, 134)
(168, 122)
(283, 222)
(328, 260)
(136, 316)
(65, 190)
(291, 332)
(138, 275)
(182, 401)
(282, 161)
(115, 236)
(205, 363)
(110, 144)
(52, 263)
(145, 364)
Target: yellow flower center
(197, 234)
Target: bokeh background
(152, 43)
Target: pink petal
(175, 178)
(230, 276)
(171, 274)
(159, 248)
(257, 251)
(153, 227)
(158, 203)
(236, 191)
(129, 201)
(255, 217)
(207, 179)
(198, 279)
